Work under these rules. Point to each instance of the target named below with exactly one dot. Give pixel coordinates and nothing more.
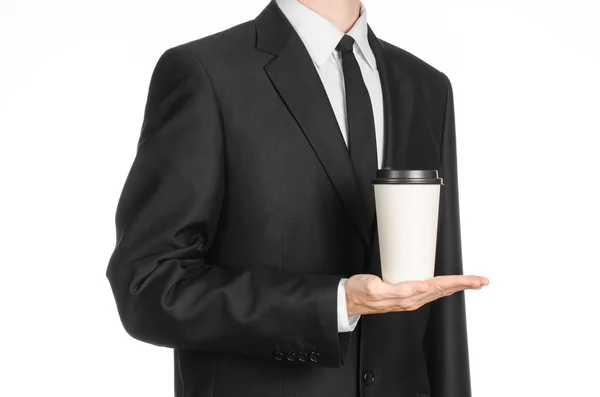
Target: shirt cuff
(345, 323)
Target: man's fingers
(448, 285)
(438, 286)
(410, 295)
(446, 282)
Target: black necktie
(361, 124)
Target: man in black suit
(248, 209)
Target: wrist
(350, 308)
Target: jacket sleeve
(165, 292)
(445, 341)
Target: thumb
(421, 286)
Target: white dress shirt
(320, 37)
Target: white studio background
(73, 82)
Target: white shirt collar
(320, 36)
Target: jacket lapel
(295, 78)
(397, 99)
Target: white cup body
(407, 223)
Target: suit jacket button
(291, 356)
(369, 377)
(302, 357)
(314, 357)
(278, 356)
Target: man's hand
(368, 294)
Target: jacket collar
(320, 36)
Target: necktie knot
(345, 44)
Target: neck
(342, 13)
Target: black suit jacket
(241, 213)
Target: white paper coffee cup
(407, 205)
